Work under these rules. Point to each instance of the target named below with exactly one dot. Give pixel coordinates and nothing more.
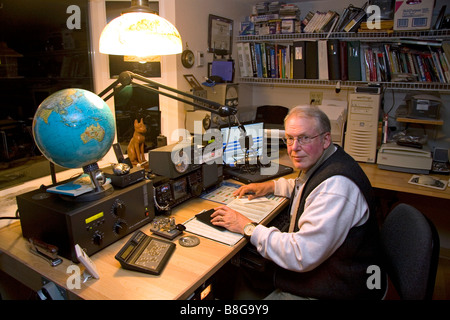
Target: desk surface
(398, 181)
(390, 180)
(186, 270)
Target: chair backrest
(411, 245)
(271, 114)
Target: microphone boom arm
(127, 78)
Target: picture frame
(220, 35)
(193, 82)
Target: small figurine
(136, 146)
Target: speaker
(224, 93)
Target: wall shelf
(427, 37)
(421, 121)
(391, 35)
(298, 83)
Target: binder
(323, 59)
(354, 61)
(344, 60)
(299, 59)
(334, 69)
(311, 61)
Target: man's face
(305, 156)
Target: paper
(429, 182)
(223, 194)
(254, 200)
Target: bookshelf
(391, 36)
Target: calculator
(145, 254)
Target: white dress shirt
(331, 210)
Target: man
(333, 235)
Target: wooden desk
(398, 181)
(187, 269)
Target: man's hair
(311, 112)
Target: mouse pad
(205, 217)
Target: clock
(187, 58)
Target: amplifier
(92, 225)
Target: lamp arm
(127, 77)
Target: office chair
(272, 116)
(411, 246)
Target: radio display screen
(180, 188)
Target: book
(76, 187)
(258, 60)
(248, 59)
(242, 61)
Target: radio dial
(119, 208)
(120, 227)
(196, 189)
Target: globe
(73, 128)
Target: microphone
(245, 141)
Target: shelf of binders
(397, 60)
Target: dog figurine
(136, 146)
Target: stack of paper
(256, 210)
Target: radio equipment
(173, 160)
(171, 192)
(92, 225)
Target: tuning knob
(119, 208)
(120, 227)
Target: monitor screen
(234, 147)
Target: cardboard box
(413, 14)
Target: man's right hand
(254, 190)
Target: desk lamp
(140, 32)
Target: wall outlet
(315, 97)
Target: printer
(394, 157)
(337, 113)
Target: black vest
(344, 274)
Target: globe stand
(100, 190)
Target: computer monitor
(234, 146)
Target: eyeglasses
(302, 140)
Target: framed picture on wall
(220, 35)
